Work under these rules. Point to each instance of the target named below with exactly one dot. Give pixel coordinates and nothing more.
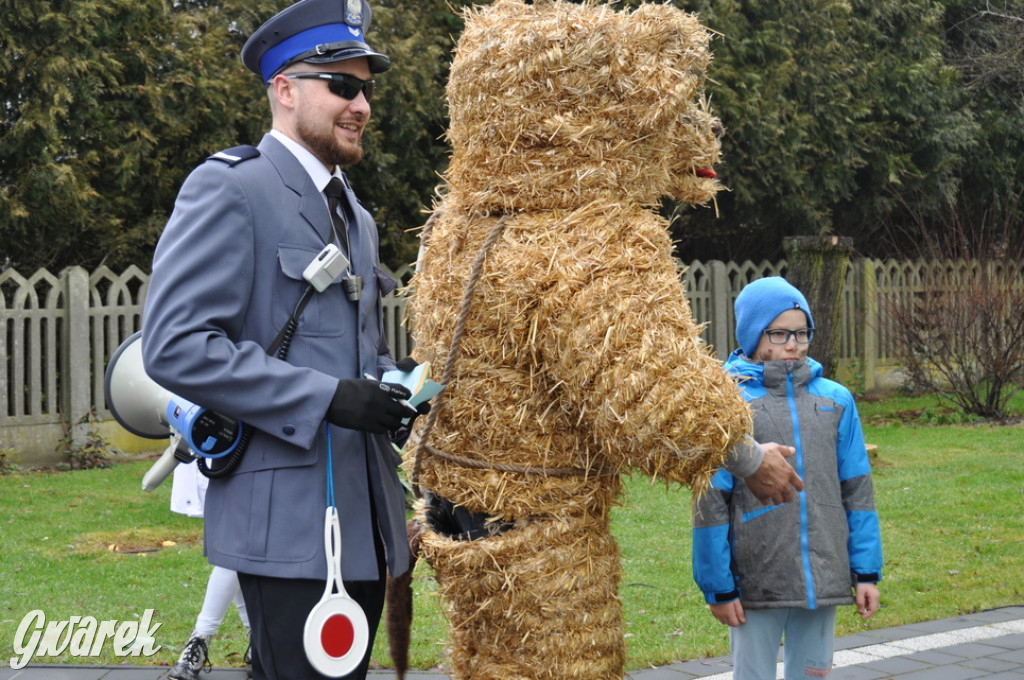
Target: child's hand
(729, 613)
(867, 599)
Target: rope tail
(399, 604)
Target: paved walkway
(988, 646)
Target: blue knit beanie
(759, 303)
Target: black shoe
(193, 657)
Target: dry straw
(579, 352)
(549, 103)
(520, 582)
(580, 360)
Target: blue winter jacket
(810, 552)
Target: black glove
(406, 364)
(369, 405)
(400, 435)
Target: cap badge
(354, 13)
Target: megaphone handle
(163, 467)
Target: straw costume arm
(623, 348)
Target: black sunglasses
(342, 84)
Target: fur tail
(399, 604)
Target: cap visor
(378, 62)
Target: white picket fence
(59, 331)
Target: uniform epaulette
(236, 154)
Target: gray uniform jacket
(227, 275)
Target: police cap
(313, 31)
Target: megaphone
(146, 409)
(134, 399)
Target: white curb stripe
(922, 643)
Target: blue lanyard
(330, 471)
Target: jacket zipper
(805, 552)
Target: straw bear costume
(578, 360)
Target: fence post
(76, 352)
(720, 308)
(817, 265)
(869, 328)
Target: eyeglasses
(780, 336)
(342, 84)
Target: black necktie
(335, 190)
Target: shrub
(960, 333)
(6, 466)
(91, 451)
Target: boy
(769, 571)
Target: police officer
(228, 276)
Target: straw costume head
(576, 358)
(553, 106)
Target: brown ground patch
(135, 541)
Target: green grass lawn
(950, 497)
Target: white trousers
(221, 590)
(807, 653)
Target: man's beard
(327, 148)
